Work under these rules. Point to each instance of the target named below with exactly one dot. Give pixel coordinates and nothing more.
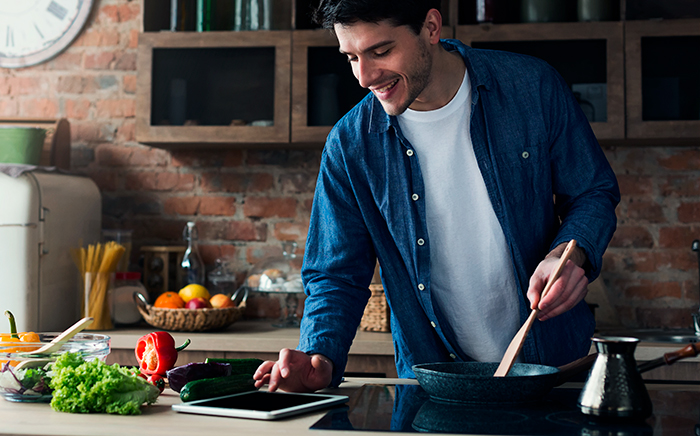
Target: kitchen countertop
(160, 419)
(157, 419)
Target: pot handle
(691, 350)
(570, 370)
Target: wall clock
(33, 31)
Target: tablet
(261, 404)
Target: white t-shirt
(472, 279)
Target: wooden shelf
(607, 61)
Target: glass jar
(221, 279)
(280, 276)
(123, 307)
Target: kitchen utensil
(614, 388)
(517, 343)
(473, 382)
(54, 345)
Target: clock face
(32, 31)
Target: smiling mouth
(387, 87)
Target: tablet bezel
(324, 401)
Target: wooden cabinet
(589, 56)
(663, 78)
(212, 88)
(286, 88)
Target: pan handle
(570, 370)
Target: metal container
(615, 388)
(21, 145)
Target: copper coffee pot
(614, 388)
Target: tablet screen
(261, 404)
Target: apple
(198, 303)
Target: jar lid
(127, 276)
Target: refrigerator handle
(44, 242)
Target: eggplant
(181, 375)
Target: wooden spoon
(517, 343)
(55, 344)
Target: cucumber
(238, 366)
(217, 387)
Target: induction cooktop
(407, 408)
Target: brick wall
(247, 202)
(650, 271)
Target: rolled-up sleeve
(584, 185)
(338, 265)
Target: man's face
(392, 62)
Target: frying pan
(473, 382)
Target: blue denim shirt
(533, 145)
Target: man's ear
(433, 25)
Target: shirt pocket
(525, 173)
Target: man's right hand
(295, 371)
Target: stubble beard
(417, 81)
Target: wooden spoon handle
(517, 343)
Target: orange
(169, 300)
(221, 300)
(193, 290)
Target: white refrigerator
(42, 216)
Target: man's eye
(380, 54)
(352, 58)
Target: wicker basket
(190, 320)
(377, 315)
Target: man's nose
(365, 72)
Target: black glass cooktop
(407, 408)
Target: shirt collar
(478, 76)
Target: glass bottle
(191, 267)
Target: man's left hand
(569, 289)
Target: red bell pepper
(156, 352)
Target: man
(464, 172)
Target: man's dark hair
(398, 12)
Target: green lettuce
(81, 386)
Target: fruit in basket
(198, 303)
(193, 290)
(219, 301)
(169, 300)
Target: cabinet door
(213, 88)
(323, 85)
(663, 78)
(587, 55)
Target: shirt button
(433, 324)
(453, 356)
(409, 152)
(525, 155)
(414, 197)
(421, 241)
(421, 286)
